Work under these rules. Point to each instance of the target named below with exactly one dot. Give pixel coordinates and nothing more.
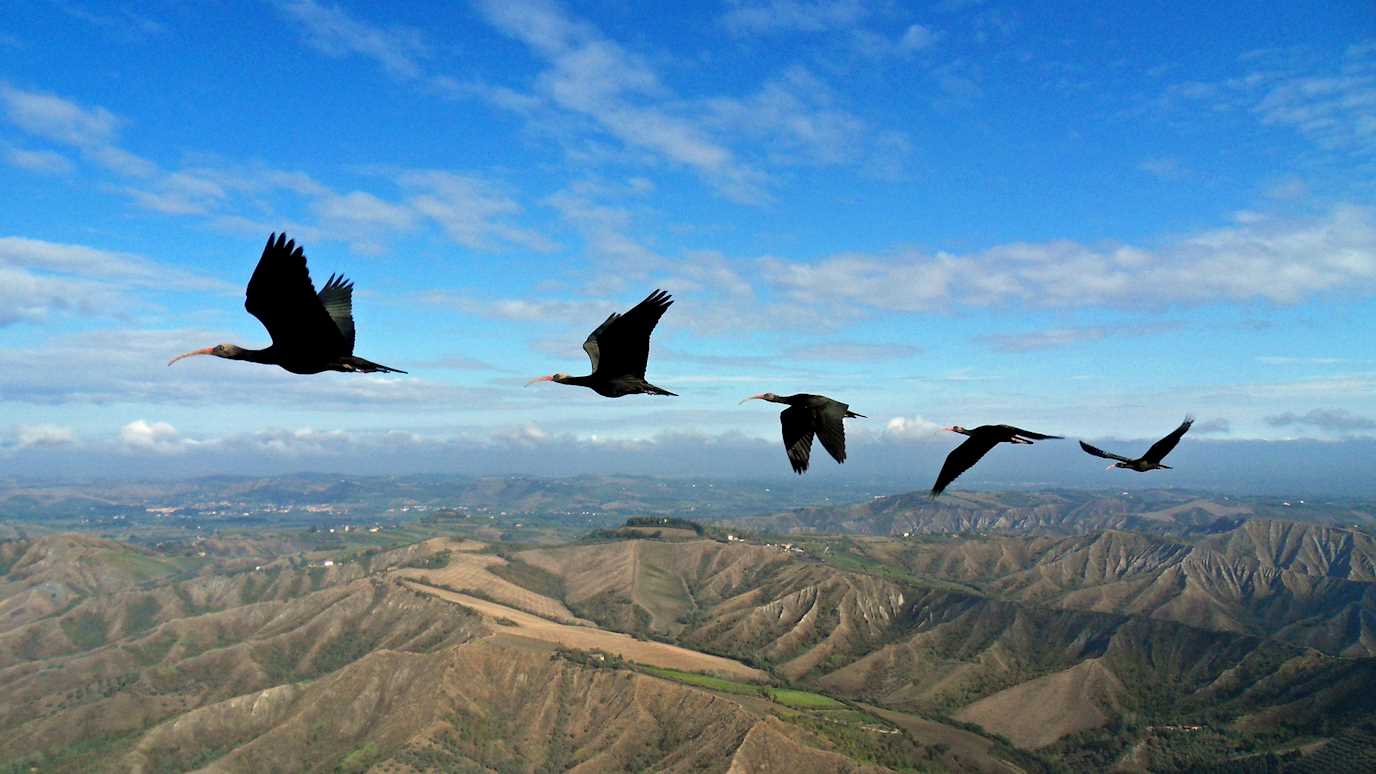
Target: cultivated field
(515, 622)
(469, 571)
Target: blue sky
(1086, 220)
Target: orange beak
(753, 397)
(549, 378)
(206, 351)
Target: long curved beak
(206, 351)
(753, 397)
(1111, 466)
(549, 378)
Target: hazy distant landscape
(423, 623)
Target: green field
(803, 699)
(704, 681)
(789, 697)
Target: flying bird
(311, 332)
(1149, 461)
(619, 349)
(809, 415)
(980, 441)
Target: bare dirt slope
(520, 623)
(1076, 699)
(470, 571)
(481, 706)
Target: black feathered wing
(338, 299)
(798, 431)
(961, 459)
(1029, 434)
(1161, 448)
(1097, 452)
(281, 296)
(831, 431)
(620, 346)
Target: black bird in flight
(980, 441)
(311, 332)
(1149, 461)
(619, 349)
(805, 416)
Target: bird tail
(852, 414)
(653, 390)
(366, 366)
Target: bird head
(769, 396)
(227, 351)
(956, 429)
(551, 378)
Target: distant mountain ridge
(1053, 512)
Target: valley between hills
(994, 633)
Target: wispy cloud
(92, 131)
(793, 115)
(122, 23)
(853, 352)
(40, 279)
(1216, 426)
(1334, 106)
(1054, 338)
(1292, 360)
(774, 16)
(593, 76)
(473, 212)
(1332, 421)
(335, 32)
(41, 161)
(1281, 262)
(43, 436)
(1164, 168)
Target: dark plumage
(619, 349)
(806, 416)
(311, 332)
(1152, 459)
(980, 441)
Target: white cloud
(39, 279)
(912, 428)
(41, 161)
(1334, 106)
(792, 116)
(45, 435)
(592, 76)
(334, 32)
(93, 131)
(771, 16)
(1331, 421)
(1164, 168)
(159, 437)
(1282, 262)
(917, 38)
(471, 211)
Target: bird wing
(621, 345)
(338, 299)
(1161, 448)
(281, 296)
(961, 459)
(1097, 452)
(831, 430)
(590, 344)
(797, 424)
(1030, 434)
